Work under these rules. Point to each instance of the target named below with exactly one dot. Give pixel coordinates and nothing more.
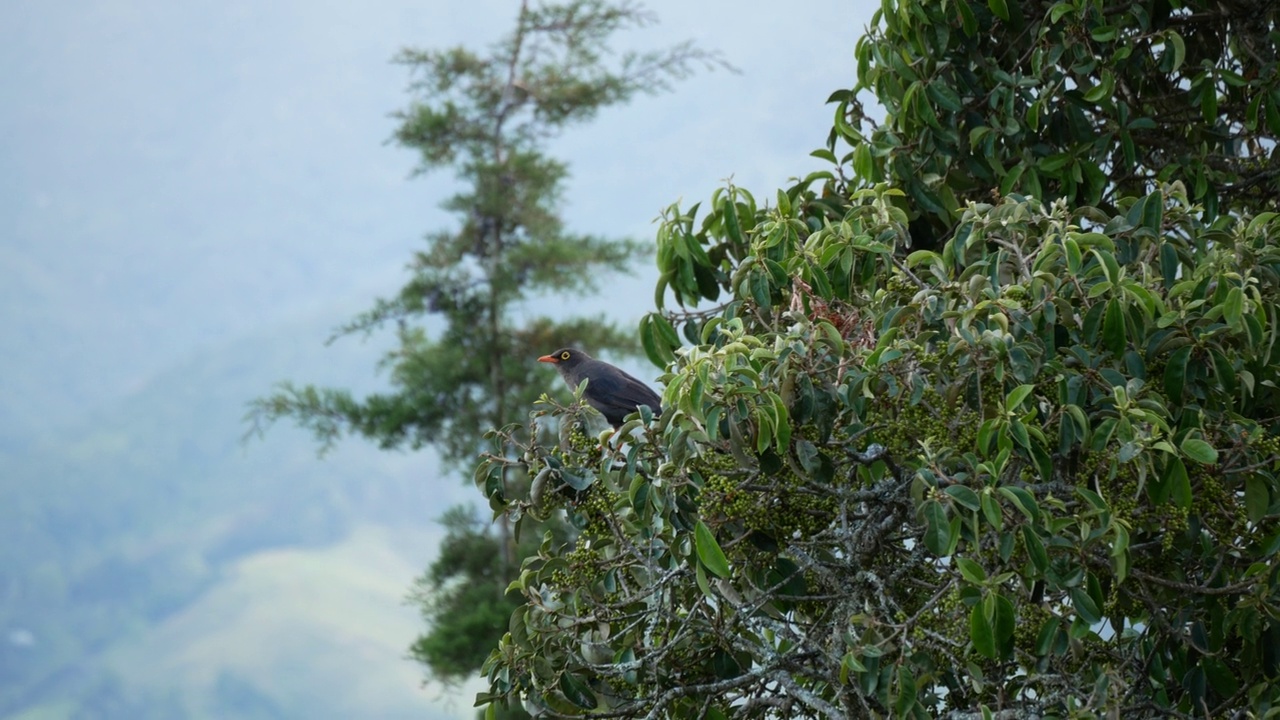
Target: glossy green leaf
(578, 692)
(1017, 396)
(1175, 373)
(1113, 330)
(1257, 499)
(1048, 635)
(937, 531)
(991, 511)
(1035, 549)
(1179, 49)
(967, 20)
(1199, 450)
(981, 632)
(709, 552)
(731, 225)
(971, 570)
(964, 496)
(760, 291)
(1153, 213)
(1233, 307)
(1085, 606)
(1169, 264)
(1220, 677)
(1023, 500)
(1004, 623)
(1161, 487)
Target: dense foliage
(986, 423)
(1080, 99)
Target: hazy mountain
(151, 509)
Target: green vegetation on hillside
(119, 523)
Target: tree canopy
(986, 421)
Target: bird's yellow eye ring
(564, 355)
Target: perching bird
(611, 391)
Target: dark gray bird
(611, 391)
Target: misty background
(192, 196)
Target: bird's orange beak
(549, 358)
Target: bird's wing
(624, 391)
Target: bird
(610, 390)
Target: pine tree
(488, 117)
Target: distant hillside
(129, 517)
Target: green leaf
(971, 570)
(981, 633)
(999, 9)
(1005, 622)
(1110, 266)
(1113, 335)
(1153, 212)
(1074, 257)
(731, 225)
(782, 429)
(968, 22)
(1016, 396)
(1257, 498)
(1233, 307)
(1209, 102)
(964, 496)
(578, 692)
(764, 429)
(1174, 41)
(1169, 264)
(1048, 635)
(991, 511)
(578, 479)
(863, 163)
(1120, 554)
(1180, 489)
(1102, 90)
(709, 552)
(1024, 500)
(666, 332)
(1175, 373)
(850, 663)
(658, 352)
(1081, 422)
(944, 96)
(1260, 221)
(906, 691)
(1224, 371)
(1085, 607)
(1019, 432)
(937, 531)
(1104, 33)
(777, 273)
(1035, 549)
(1175, 475)
(1221, 679)
(1199, 450)
(760, 291)
(700, 576)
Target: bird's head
(565, 358)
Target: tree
(986, 423)
(488, 118)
